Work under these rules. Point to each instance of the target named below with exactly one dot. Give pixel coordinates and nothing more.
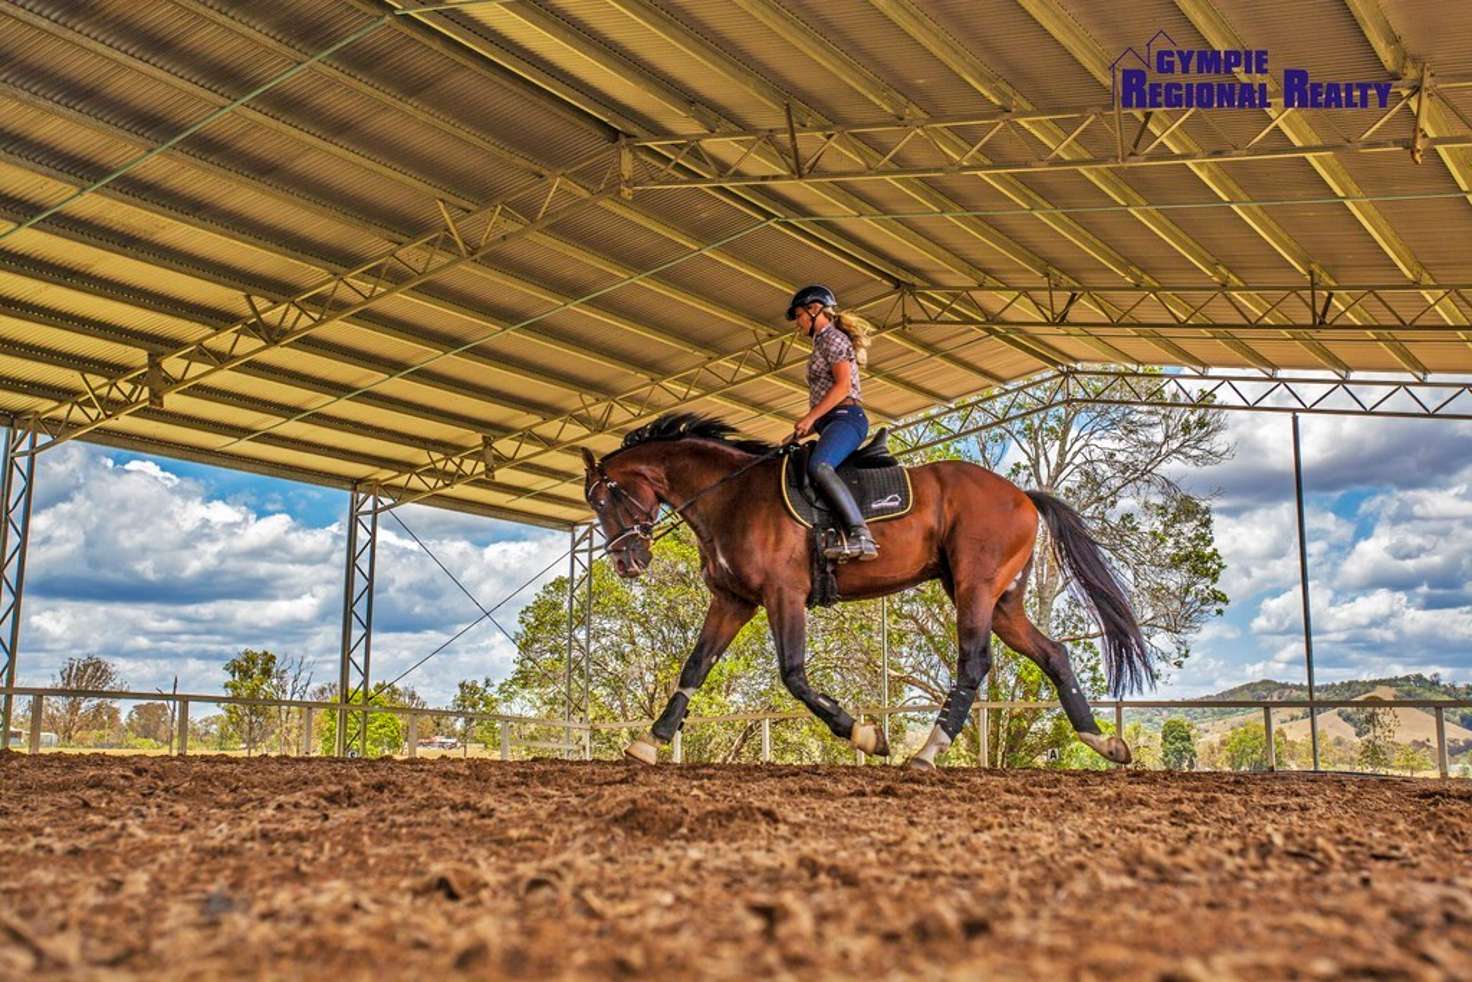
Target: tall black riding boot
(858, 543)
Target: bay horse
(972, 529)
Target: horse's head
(626, 506)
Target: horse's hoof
(919, 764)
(1109, 747)
(643, 751)
(868, 738)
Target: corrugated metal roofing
(628, 307)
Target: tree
(151, 721)
(1377, 742)
(290, 681)
(477, 697)
(385, 730)
(67, 716)
(1246, 747)
(1413, 758)
(252, 676)
(1178, 745)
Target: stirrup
(857, 543)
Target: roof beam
(1059, 23)
(672, 30)
(909, 17)
(1296, 126)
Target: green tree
(252, 675)
(385, 730)
(477, 697)
(1246, 747)
(1377, 742)
(1412, 758)
(1178, 745)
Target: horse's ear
(589, 461)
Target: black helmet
(810, 294)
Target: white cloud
(145, 567)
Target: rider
(840, 347)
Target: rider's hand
(801, 428)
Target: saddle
(881, 489)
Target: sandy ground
(156, 867)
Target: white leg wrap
(935, 744)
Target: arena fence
(576, 736)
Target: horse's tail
(1126, 659)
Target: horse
(972, 529)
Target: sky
(170, 568)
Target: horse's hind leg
(974, 634)
(789, 630)
(1013, 627)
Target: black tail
(1126, 659)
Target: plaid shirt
(830, 347)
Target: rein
(645, 529)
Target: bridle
(620, 498)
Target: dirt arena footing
(207, 867)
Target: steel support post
(15, 529)
(766, 741)
(309, 716)
(1308, 628)
(577, 670)
(357, 622)
(1267, 727)
(38, 711)
(1442, 767)
(884, 659)
(183, 726)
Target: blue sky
(170, 568)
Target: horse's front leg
(725, 618)
(789, 630)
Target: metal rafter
(1059, 23)
(703, 118)
(1296, 126)
(272, 326)
(968, 66)
(953, 148)
(1390, 398)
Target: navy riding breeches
(841, 430)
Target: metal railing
(182, 701)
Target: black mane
(678, 426)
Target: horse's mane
(678, 426)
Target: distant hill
(1398, 687)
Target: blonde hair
(857, 329)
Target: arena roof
(438, 249)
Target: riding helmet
(810, 294)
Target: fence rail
(182, 701)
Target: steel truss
(946, 146)
(1397, 399)
(357, 622)
(15, 529)
(578, 668)
(456, 241)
